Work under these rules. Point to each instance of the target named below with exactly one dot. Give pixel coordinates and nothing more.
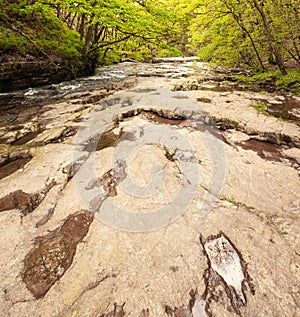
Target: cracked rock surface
(135, 199)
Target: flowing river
(168, 68)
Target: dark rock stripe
(53, 254)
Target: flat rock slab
(153, 211)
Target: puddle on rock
(225, 280)
(111, 139)
(13, 163)
(107, 139)
(100, 142)
(289, 109)
(112, 178)
(20, 200)
(204, 100)
(267, 151)
(25, 202)
(27, 137)
(12, 166)
(181, 155)
(53, 254)
(226, 268)
(108, 183)
(152, 116)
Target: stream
(103, 75)
(22, 117)
(25, 102)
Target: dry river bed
(151, 196)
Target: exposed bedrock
(149, 202)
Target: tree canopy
(236, 33)
(248, 33)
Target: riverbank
(22, 72)
(19, 72)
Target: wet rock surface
(25, 202)
(225, 280)
(226, 268)
(283, 106)
(11, 162)
(121, 173)
(268, 151)
(287, 109)
(53, 254)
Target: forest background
(256, 35)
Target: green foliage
(259, 106)
(234, 201)
(242, 33)
(289, 82)
(86, 30)
(168, 51)
(233, 33)
(12, 43)
(37, 31)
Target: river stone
(254, 204)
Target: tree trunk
(88, 39)
(241, 24)
(296, 50)
(294, 57)
(270, 39)
(81, 27)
